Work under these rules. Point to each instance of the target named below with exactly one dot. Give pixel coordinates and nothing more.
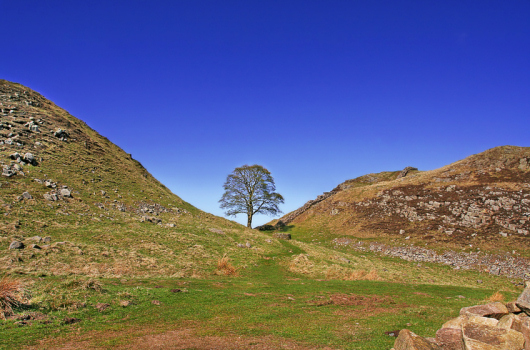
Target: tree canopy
(250, 190)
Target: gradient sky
(318, 92)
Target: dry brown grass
(357, 275)
(12, 294)
(225, 267)
(363, 275)
(342, 273)
(497, 296)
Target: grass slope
(481, 203)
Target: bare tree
(250, 190)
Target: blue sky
(318, 92)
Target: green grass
(266, 300)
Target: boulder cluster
(493, 326)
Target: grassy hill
(481, 203)
(113, 259)
(116, 219)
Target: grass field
(263, 306)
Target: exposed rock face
(478, 328)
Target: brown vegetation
(225, 267)
(497, 296)
(12, 294)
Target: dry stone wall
(500, 265)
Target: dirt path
(180, 339)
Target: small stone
(16, 245)
(30, 158)
(60, 133)
(49, 184)
(65, 192)
(7, 171)
(26, 195)
(125, 303)
(155, 302)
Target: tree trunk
(249, 220)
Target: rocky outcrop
(453, 209)
(405, 171)
(493, 326)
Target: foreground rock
(523, 302)
(411, 341)
(493, 326)
(493, 310)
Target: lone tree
(250, 190)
